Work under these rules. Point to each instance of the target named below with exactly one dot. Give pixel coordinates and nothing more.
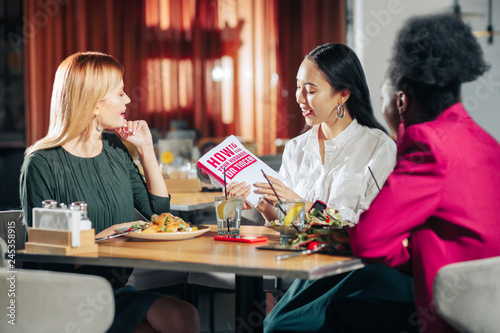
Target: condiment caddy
(61, 230)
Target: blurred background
(200, 70)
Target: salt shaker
(85, 223)
(49, 203)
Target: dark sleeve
(37, 184)
(146, 203)
(409, 197)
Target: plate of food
(327, 229)
(163, 227)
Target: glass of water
(291, 216)
(228, 213)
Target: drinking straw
(225, 186)
(225, 194)
(279, 200)
(373, 176)
(272, 188)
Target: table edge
(321, 272)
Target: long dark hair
(342, 69)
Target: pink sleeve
(410, 195)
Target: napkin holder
(60, 231)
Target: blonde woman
(78, 161)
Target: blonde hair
(81, 81)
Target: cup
(228, 213)
(291, 215)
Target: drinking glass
(291, 215)
(228, 213)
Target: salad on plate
(165, 222)
(322, 228)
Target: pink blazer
(443, 195)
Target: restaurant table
(204, 254)
(192, 201)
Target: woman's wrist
(145, 149)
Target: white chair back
(54, 302)
(467, 295)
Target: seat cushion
(55, 302)
(467, 295)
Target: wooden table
(203, 254)
(192, 201)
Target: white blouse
(344, 181)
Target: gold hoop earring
(338, 111)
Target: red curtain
(211, 64)
(218, 65)
(54, 30)
(303, 25)
(183, 44)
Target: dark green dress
(110, 183)
(112, 186)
